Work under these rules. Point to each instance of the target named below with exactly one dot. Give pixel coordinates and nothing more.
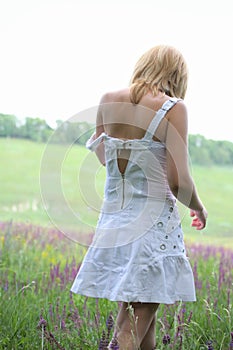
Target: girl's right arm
(178, 174)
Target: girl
(138, 255)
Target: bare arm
(100, 152)
(179, 178)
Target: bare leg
(148, 342)
(133, 322)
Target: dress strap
(159, 116)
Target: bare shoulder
(179, 108)
(178, 121)
(116, 96)
(178, 113)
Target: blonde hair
(162, 68)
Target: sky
(58, 57)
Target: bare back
(122, 119)
(119, 118)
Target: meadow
(62, 186)
(39, 257)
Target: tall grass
(37, 268)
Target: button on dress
(137, 253)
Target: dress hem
(139, 298)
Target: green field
(68, 181)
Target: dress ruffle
(166, 280)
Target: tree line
(37, 129)
(208, 152)
(202, 151)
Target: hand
(199, 218)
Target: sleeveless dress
(137, 253)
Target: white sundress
(138, 253)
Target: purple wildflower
(114, 344)
(63, 324)
(231, 343)
(42, 323)
(6, 286)
(190, 316)
(183, 310)
(103, 342)
(181, 341)
(166, 339)
(109, 322)
(210, 345)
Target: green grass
(215, 187)
(37, 268)
(72, 185)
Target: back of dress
(135, 200)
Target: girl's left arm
(100, 150)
